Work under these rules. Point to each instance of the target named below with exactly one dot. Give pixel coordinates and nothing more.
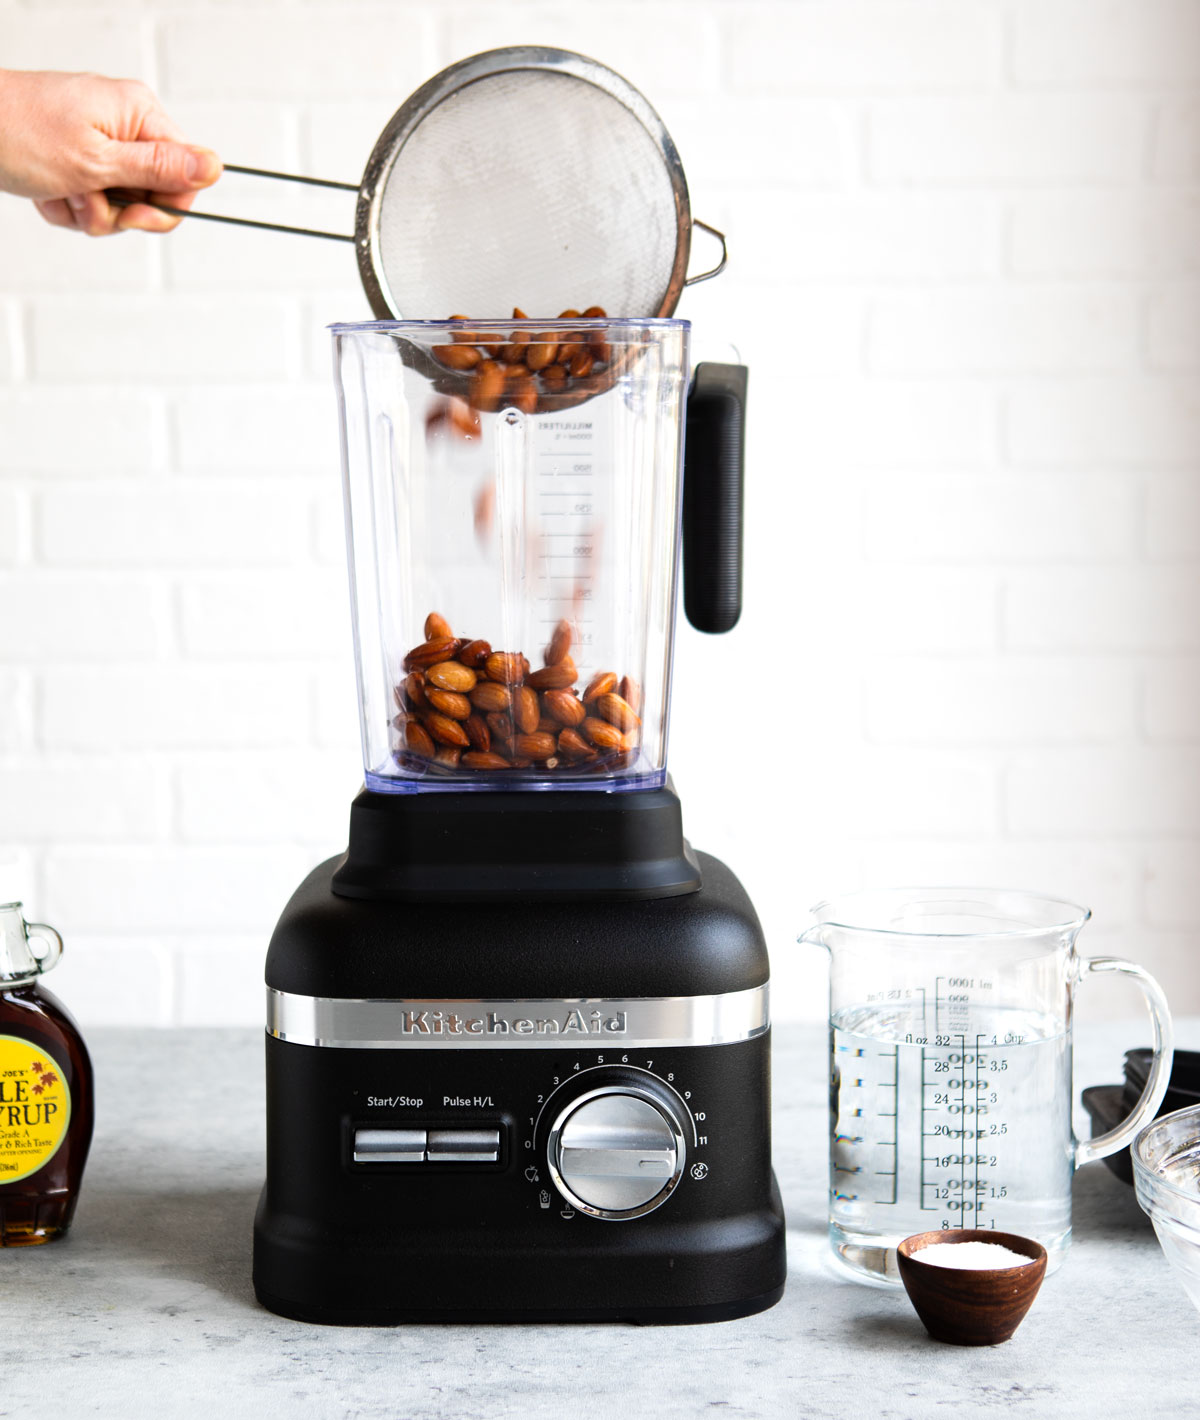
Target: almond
(487, 386)
(445, 730)
(479, 759)
(451, 675)
(474, 653)
(535, 746)
(602, 734)
(595, 313)
(562, 705)
(560, 643)
(456, 357)
(449, 702)
(429, 653)
(477, 732)
(556, 677)
(414, 690)
(448, 756)
(631, 692)
(507, 667)
(463, 418)
(513, 353)
(488, 695)
(437, 628)
(523, 395)
(525, 712)
(581, 364)
(519, 314)
(554, 376)
(574, 746)
(547, 726)
(500, 725)
(602, 683)
(417, 740)
(570, 314)
(541, 352)
(617, 711)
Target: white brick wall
(965, 271)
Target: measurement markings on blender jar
(565, 451)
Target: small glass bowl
(1166, 1174)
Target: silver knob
(617, 1151)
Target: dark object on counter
(971, 1306)
(45, 1090)
(1108, 1105)
(492, 1106)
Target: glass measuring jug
(950, 1067)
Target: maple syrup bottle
(46, 1103)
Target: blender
(518, 1035)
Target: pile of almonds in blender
(463, 706)
(527, 366)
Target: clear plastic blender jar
(513, 536)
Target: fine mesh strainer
(523, 177)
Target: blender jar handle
(713, 479)
(1160, 1062)
(54, 944)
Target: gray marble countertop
(146, 1309)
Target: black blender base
(679, 1276)
(640, 1316)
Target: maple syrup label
(35, 1108)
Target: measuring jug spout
(814, 937)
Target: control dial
(617, 1151)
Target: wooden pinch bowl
(971, 1306)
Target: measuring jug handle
(1160, 1063)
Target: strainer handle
(121, 197)
(720, 266)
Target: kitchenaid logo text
(574, 1022)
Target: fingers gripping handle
(1160, 1064)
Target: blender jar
(512, 538)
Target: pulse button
(463, 1146)
(420, 1146)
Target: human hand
(65, 138)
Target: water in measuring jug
(956, 1122)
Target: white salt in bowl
(1166, 1175)
(971, 1306)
